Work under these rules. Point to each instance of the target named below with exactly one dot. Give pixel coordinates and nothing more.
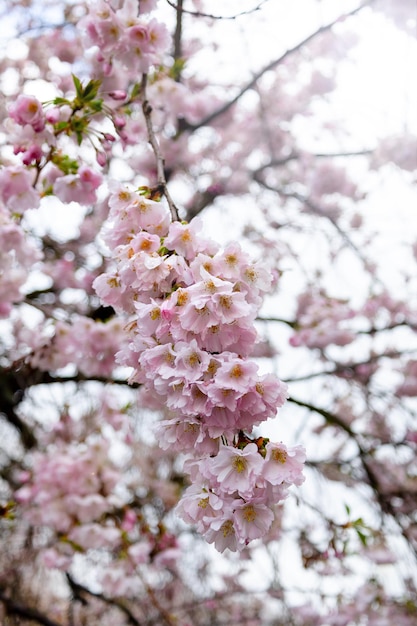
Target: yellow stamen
(227, 528)
(210, 286)
(249, 513)
(279, 455)
(145, 245)
(236, 372)
(113, 282)
(239, 464)
(251, 274)
(193, 360)
(260, 389)
(225, 302)
(124, 195)
(182, 297)
(186, 236)
(231, 259)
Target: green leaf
(60, 126)
(363, 538)
(96, 106)
(177, 68)
(78, 86)
(91, 90)
(48, 191)
(59, 101)
(135, 91)
(65, 164)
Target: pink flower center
(186, 236)
(231, 259)
(236, 372)
(279, 455)
(182, 297)
(249, 513)
(193, 360)
(227, 528)
(225, 302)
(239, 464)
(210, 286)
(113, 282)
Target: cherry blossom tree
(208, 357)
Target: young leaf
(91, 90)
(78, 87)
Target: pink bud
(119, 121)
(118, 94)
(101, 158)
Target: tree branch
(12, 387)
(330, 418)
(178, 36)
(319, 155)
(162, 183)
(14, 608)
(272, 65)
(382, 498)
(77, 591)
(215, 17)
(315, 210)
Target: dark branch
(79, 591)
(14, 608)
(178, 36)
(383, 499)
(331, 418)
(12, 387)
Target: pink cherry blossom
(236, 470)
(252, 520)
(28, 110)
(283, 464)
(80, 187)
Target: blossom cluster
(76, 484)
(17, 256)
(34, 134)
(320, 322)
(87, 344)
(192, 308)
(121, 35)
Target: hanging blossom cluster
(192, 308)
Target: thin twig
(215, 17)
(162, 183)
(167, 618)
(318, 155)
(315, 210)
(272, 65)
